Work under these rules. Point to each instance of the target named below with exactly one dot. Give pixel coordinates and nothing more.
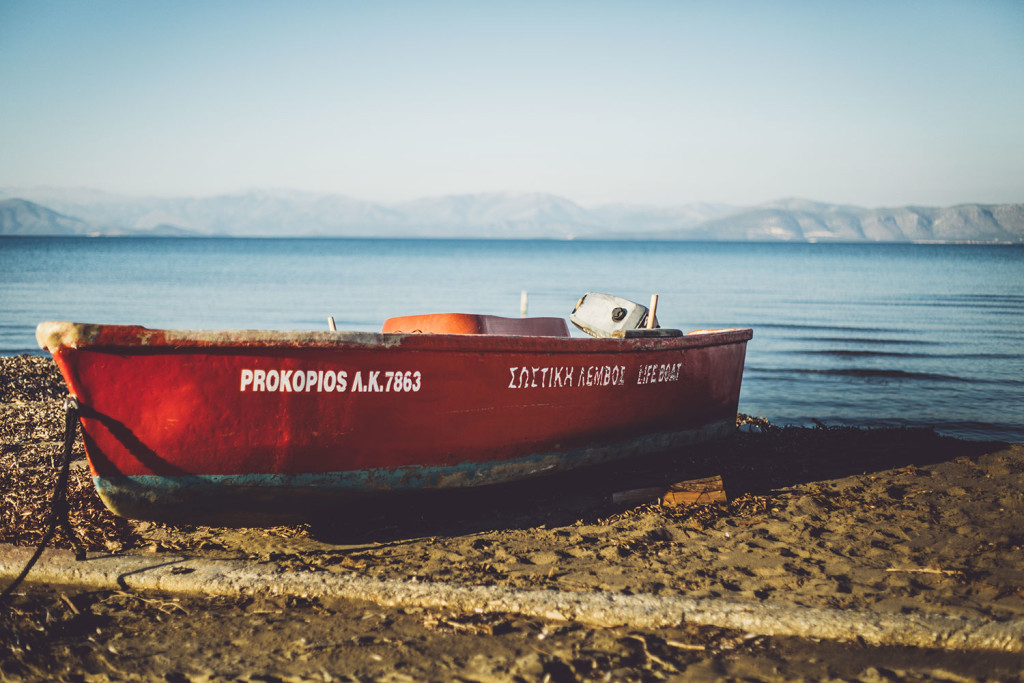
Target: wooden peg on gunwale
(652, 311)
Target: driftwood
(693, 492)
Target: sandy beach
(900, 522)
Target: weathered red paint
(174, 404)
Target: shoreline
(893, 522)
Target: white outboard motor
(604, 315)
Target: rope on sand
(58, 516)
(193, 576)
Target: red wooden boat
(194, 426)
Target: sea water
(844, 334)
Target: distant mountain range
(493, 216)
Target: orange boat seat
(468, 323)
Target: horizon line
(271, 190)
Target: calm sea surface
(859, 334)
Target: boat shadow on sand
(758, 460)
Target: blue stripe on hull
(281, 497)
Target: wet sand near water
(895, 521)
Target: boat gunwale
(56, 335)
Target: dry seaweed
(31, 441)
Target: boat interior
(468, 323)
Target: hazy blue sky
(870, 103)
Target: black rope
(59, 501)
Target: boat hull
(189, 426)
